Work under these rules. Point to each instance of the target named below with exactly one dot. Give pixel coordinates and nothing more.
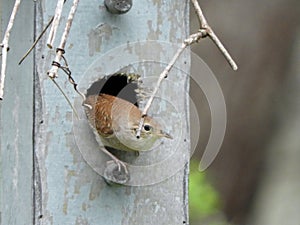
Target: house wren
(116, 121)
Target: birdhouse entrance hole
(124, 86)
(121, 85)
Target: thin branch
(52, 32)
(162, 76)
(204, 25)
(204, 31)
(71, 79)
(190, 40)
(5, 47)
(52, 73)
(37, 40)
(66, 97)
(187, 42)
(221, 47)
(201, 18)
(56, 20)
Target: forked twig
(52, 73)
(5, 47)
(204, 31)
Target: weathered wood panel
(16, 121)
(66, 189)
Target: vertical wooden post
(66, 189)
(16, 121)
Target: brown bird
(116, 121)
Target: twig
(71, 79)
(221, 47)
(66, 97)
(204, 25)
(190, 40)
(4, 46)
(37, 40)
(201, 18)
(52, 32)
(52, 73)
(56, 20)
(204, 31)
(66, 69)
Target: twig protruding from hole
(204, 31)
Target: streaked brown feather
(100, 115)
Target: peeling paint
(81, 221)
(153, 33)
(95, 189)
(84, 206)
(72, 191)
(97, 35)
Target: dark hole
(115, 85)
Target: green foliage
(204, 200)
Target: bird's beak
(165, 134)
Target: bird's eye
(147, 127)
